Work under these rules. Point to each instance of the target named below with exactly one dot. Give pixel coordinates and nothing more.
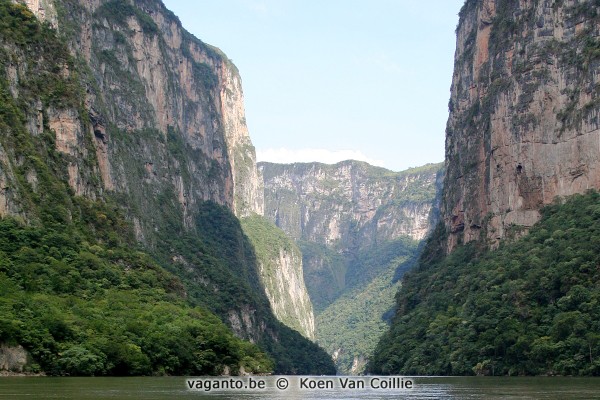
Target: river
(159, 388)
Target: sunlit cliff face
(524, 117)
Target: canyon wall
(164, 108)
(524, 114)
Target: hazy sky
(327, 80)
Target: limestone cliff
(316, 202)
(524, 114)
(13, 359)
(335, 212)
(161, 103)
(168, 121)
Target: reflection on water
(544, 388)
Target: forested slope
(530, 307)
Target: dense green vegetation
(530, 307)
(220, 256)
(353, 323)
(85, 308)
(325, 284)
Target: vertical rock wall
(156, 90)
(326, 203)
(524, 114)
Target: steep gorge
(335, 212)
(358, 227)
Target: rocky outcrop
(524, 123)
(44, 10)
(247, 184)
(8, 202)
(12, 358)
(358, 365)
(287, 293)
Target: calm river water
(177, 388)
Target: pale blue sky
(326, 80)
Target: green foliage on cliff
(218, 265)
(270, 244)
(81, 307)
(353, 323)
(119, 11)
(530, 307)
(325, 273)
(20, 28)
(266, 237)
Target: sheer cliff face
(166, 110)
(162, 127)
(280, 269)
(166, 114)
(327, 204)
(524, 114)
(287, 293)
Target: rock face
(44, 10)
(319, 202)
(162, 105)
(336, 211)
(280, 269)
(287, 288)
(12, 358)
(524, 114)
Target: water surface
(159, 388)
